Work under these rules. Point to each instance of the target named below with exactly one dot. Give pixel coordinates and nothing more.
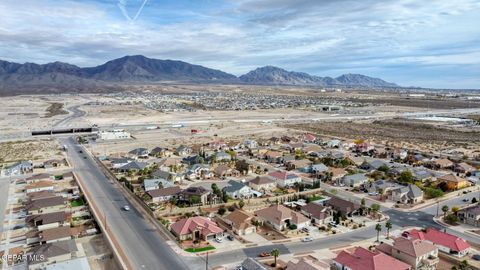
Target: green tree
(275, 253)
(375, 208)
(384, 168)
(445, 210)
(378, 228)
(388, 225)
(195, 199)
(221, 210)
(406, 177)
(241, 204)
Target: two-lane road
(143, 245)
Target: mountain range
(63, 77)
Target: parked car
(219, 239)
(466, 200)
(307, 239)
(476, 257)
(333, 224)
(373, 193)
(126, 208)
(230, 237)
(264, 254)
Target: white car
(126, 208)
(307, 239)
(219, 240)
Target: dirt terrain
(400, 132)
(29, 150)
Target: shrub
(221, 211)
(292, 227)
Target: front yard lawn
(200, 249)
(76, 203)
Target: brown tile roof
(240, 219)
(39, 184)
(45, 202)
(413, 247)
(451, 178)
(343, 205)
(55, 233)
(261, 180)
(41, 195)
(48, 218)
(279, 213)
(40, 176)
(316, 210)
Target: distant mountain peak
(31, 77)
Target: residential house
(312, 148)
(285, 179)
(38, 177)
(47, 221)
(442, 163)
(161, 152)
(423, 174)
(238, 190)
(464, 167)
(318, 213)
(355, 180)
(262, 184)
(470, 215)
(445, 242)
(302, 165)
(273, 156)
(54, 163)
(334, 143)
(250, 144)
(336, 173)
(309, 138)
(364, 147)
(194, 228)
(55, 235)
(318, 170)
(183, 150)
(344, 207)
(166, 164)
(372, 165)
(240, 222)
(164, 194)
(43, 255)
(120, 162)
(453, 182)
(281, 217)
(222, 156)
(415, 252)
(139, 153)
(151, 184)
(135, 166)
(222, 171)
(252, 264)
(363, 259)
(39, 186)
(199, 171)
(306, 264)
(18, 168)
(46, 205)
(383, 187)
(198, 192)
(410, 194)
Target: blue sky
(412, 43)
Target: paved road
(138, 237)
(77, 113)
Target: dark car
(231, 238)
(80, 151)
(476, 257)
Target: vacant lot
(55, 109)
(400, 132)
(419, 103)
(28, 150)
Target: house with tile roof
(194, 228)
(363, 259)
(470, 215)
(262, 184)
(285, 179)
(408, 194)
(318, 213)
(164, 194)
(241, 222)
(417, 253)
(445, 242)
(281, 217)
(453, 182)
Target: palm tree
(445, 210)
(388, 225)
(378, 228)
(275, 253)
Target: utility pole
(206, 262)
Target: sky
(412, 43)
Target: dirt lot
(29, 150)
(420, 103)
(405, 133)
(55, 109)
